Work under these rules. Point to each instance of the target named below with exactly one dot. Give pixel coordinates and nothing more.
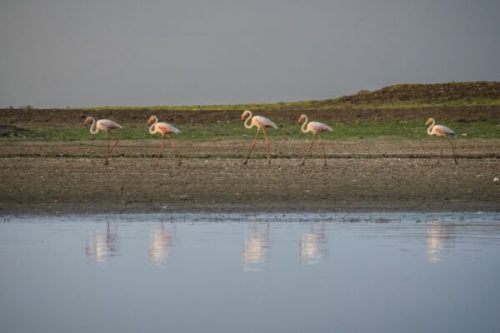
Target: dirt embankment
(63, 117)
(426, 93)
(237, 149)
(333, 110)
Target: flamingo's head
(429, 121)
(302, 118)
(245, 114)
(88, 121)
(151, 120)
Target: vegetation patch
(472, 109)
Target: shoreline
(374, 181)
(377, 217)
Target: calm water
(251, 273)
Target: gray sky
(151, 52)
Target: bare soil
(24, 119)
(361, 175)
(329, 109)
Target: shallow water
(251, 273)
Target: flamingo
(442, 132)
(162, 128)
(106, 126)
(261, 123)
(316, 128)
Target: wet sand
(365, 175)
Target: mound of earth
(426, 97)
(427, 93)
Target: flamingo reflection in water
(160, 243)
(102, 244)
(256, 246)
(313, 245)
(438, 235)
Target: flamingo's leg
(268, 146)
(160, 154)
(453, 150)
(109, 145)
(308, 151)
(172, 144)
(110, 148)
(322, 146)
(253, 145)
(106, 162)
(440, 154)
(116, 142)
(162, 145)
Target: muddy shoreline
(361, 176)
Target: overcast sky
(163, 52)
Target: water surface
(250, 273)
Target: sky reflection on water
(250, 273)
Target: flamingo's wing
(167, 128)
(316, 126)
(266, 122)
(107, 124)
(443, 130)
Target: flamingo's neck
(152, 129)
(303, 127)
(93, 128)
(429, 129)
(248, 121)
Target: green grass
(222, 131)
(315, 105)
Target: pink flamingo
(442, 132)
(106, 126)
(163, 128)
(261, 123)
(316, 128)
